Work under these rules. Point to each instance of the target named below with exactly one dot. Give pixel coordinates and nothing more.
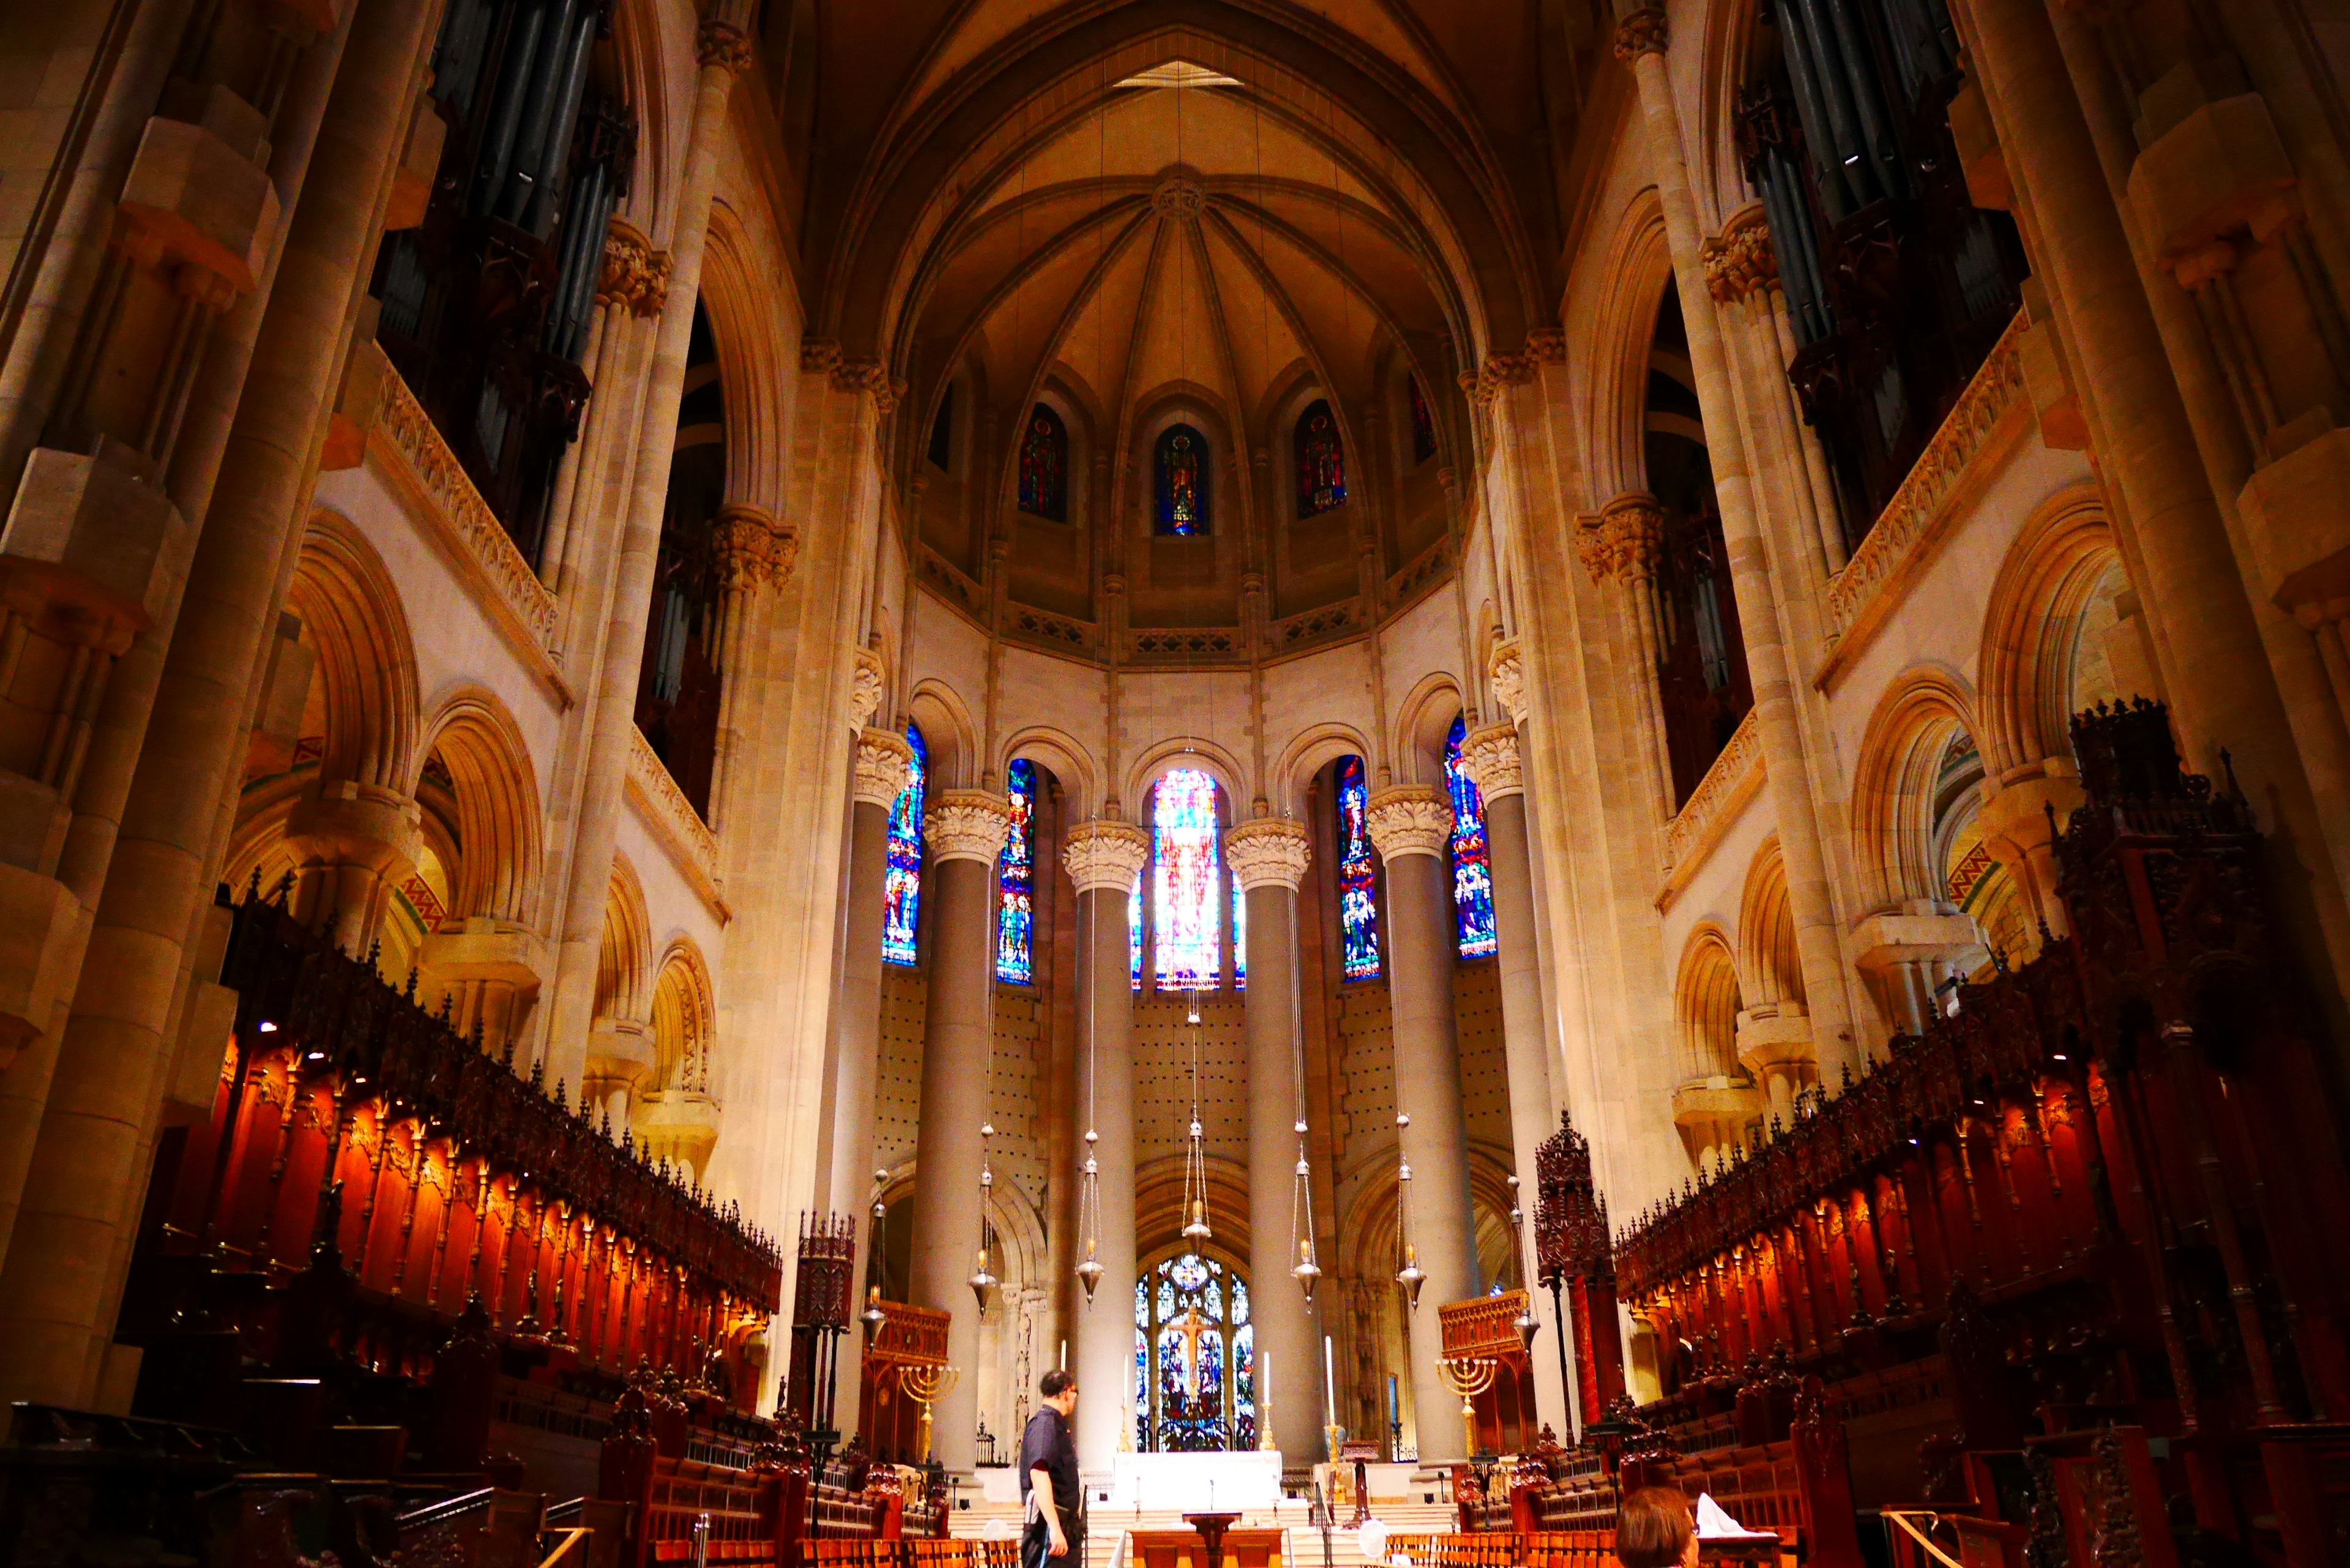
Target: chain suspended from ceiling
(1196, 1229)
(1409, 1277)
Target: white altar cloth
(1196, 1483)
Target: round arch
(366, 679)
(1706, 1004)
(498, 838)
(2033, 622)
(1897, 783)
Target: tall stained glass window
(1358, 899)
(1240, 936)
(1321, 461)
(1134, 932)
(1423, 423)
(1181, 468)
(1015, 909)
(1185, 859)
(1473, 866)
(1194, 1358)
(902, 890)
(1045, 466)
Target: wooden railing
(374, 1189)
(1482, 1325)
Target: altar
(1196, 1483)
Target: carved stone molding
(865, 375)
(723, 45)
(867, 684)
(966, 825)
(1105, 855)
(1546, 346)
(1267, 852)
(1736, 773)
(635, 275)
(1622, 542)
(1410, 819)
(1739, 261)
(753, 549)
(818, 355)
(673, 817)
(1490, 756)
(1643, 32)
(1507, 671)
(884, 762)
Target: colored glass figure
(1184, 882)
(1243, 1384)
(1358, 899)
(1194, 1361)
(1472, 866)
(1045, 466)
(1015, 912)
(1240, 936)
(1321, 461)
(902, 890)
(1134, 932)
(1423, 424)
(1182, 481)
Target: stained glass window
(1045, 466)
(1359, 901)
(902, 890)
(1134, 932)
(1015, 904)
(1423, 423)
(1194, 1360)
(1472, 867)
(1240, 936)
(1321, 461)
(1184, 883)
(1182, 481)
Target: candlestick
(1329, 1386)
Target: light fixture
(266, 1027)
(1300, 1193)
(982, 1282)
(1410, 1276)
(1196, 1229)
(1089, 1269)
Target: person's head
(1059, 1388)
(1654, 1530)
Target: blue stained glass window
(1182, 481)
(1359, 901)
(1015, 913)
(1194, 1376)
(903, 886)
(1240, 936)
(1134, 933)
(1321, 461)
(1473, 866)
(1184, 856)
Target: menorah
(1468, 1376)
(926, 1386)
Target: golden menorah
(1468, 1376)
(926, 1386)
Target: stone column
(1103, 859)
(1490, 756)
(1411, 826)
(723, 52)
(1268, 859)
(1640, 39)
(883, 763)
(86, 1178)
(1622, 544)
(965, 828)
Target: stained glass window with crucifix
(1194, 1358)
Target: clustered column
(1490, 756)
(1103, 858)
(1411, 826)
(1268, 859)
(966, 829)
(1622, 544)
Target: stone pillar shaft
(1411, 826)
(1268, 858)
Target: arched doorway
(1194, 1358)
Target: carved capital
(1739, 261)
(865, 376)
(1621, 542)
(1643, 32)
(869, 682)
(723, 45)
(966, 825)
(1105, 855)
(884, 762)
(1267, 852)
(1491, 757)
(753, 549)
(1507, 671)
(653, 298)
(1509, 370)
(1410, 819)
(1546, 346)
(628, 275)
(818, 355)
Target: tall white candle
(1329, 1386)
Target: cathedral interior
(1489, 749)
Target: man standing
(1048, 1480)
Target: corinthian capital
(1267, 851)
(1105, 855)
(1739, 260)
(1623, 541)
(1410, 819)
(1507, 670)
(884, 762)
(750, 546)
(1643, 32)
(723, 45)
(966, 825)
(870, 680)
(1490, 756)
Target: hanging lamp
(1300, 1193)
(981, 1281)
(1525, 1322)
(1410, 1276)
(1196, 1229)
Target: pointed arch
(1895, 786)
(2032, 629)
(1770, 972)
(684, 1019)
(498, 838)
(624, 958)
(1706, 1004)
(1638, 267)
